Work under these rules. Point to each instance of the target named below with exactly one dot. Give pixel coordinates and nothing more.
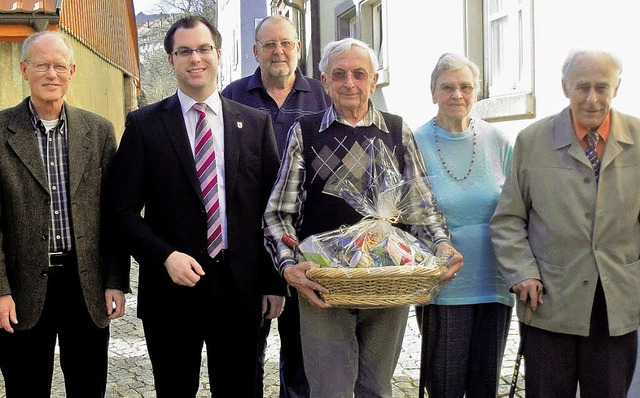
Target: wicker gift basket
(377, 287)
(375, 262)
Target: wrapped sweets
(384, 199)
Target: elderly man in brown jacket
(59, 276)
(567, 236)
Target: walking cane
(423, 351)
(528, 314)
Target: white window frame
(366, 20)
(499, 37)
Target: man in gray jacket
(59, 275)
(567, 235)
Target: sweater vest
(324, 153)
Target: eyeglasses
(287, 45)
(449, 89)
(340, 75)
(186, 52)
(44, 66)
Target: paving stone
(130, 373)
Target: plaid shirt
(54, 149)
(284, 212)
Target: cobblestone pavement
(130, 369)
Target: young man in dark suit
(202, 167)
(60, 276)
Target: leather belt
(58, 258)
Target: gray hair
(573, 58)
(275, 18)
(450, 61)
(26, 46)
(339, 47)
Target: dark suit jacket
(154, 169)
(25, 214)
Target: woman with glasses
(467, 324)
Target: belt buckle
(52, 257)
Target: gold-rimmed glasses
(286, 45)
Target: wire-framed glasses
(186, 52)
(44, 66)
(340, 75)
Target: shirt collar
(213, 102)
(300, 84)
(603, 130)
(372, 117)
(37, 124)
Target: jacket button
(587, 215)
(586, 180)
(586, 283)
(45, 237)
(44, 273)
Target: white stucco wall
(420, 31)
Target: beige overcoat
(554, 223)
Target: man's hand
(529, 290)
(183, 269)
(272, 306)
(454, 261)
(7, 313)
(115, 300)
(296, 276)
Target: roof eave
(39, 22)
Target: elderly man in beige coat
(567, 236)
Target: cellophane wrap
(374, 186)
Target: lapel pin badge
(239, 124)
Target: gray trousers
(350, 352)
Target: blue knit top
(468, 203)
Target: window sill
(506, 107)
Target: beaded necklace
(444, 164)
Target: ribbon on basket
(368, 249)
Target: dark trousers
(225, 324)
(26, 356)
(465, 345)
(556, 363)
(293, 381)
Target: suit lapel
(177, 132)
(79, 136)
(619, 134)
(25, 145)
(565, 136)
(233, 126)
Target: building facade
(105, 42)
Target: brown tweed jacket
(25, 214)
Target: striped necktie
(205, 158)
(592, 154)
